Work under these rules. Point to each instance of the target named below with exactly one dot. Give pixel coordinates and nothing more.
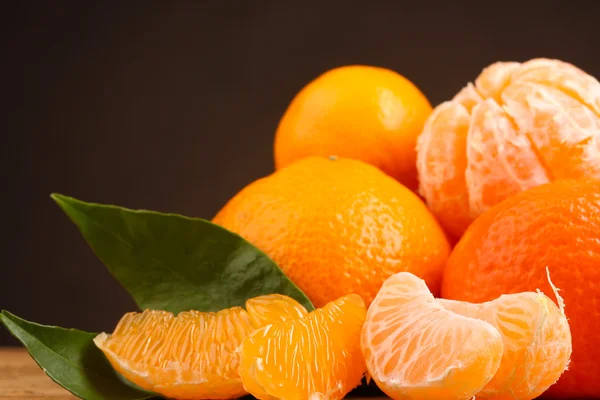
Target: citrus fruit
(314, 357)
(537, 342)
(518, 126)
(416, 349)
(191, 355)
(508, 248)
(338, 226)
(362, 112)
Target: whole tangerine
(338, 226)
(367, 113)
(508, 248)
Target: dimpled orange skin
(366, 113)
(507, 250)
(338, 226)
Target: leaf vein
(159, 262)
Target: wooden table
(21, 378)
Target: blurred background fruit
(366, 113)
(508, 248)
(518, 126)
(338, 226)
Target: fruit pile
(442, 253)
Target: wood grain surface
(22, 378)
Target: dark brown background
(172, 106)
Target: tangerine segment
(495, 78)
(264, 310)
(444, 143)
(500, 161)
(191, 355)
(416, 349)
(565, 131)
(563, 76)
(537, 343)
(315, 357)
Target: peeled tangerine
(417, 347)
(518, 126)
(314, 357)
(192, 355)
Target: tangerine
(338, 226)
(362, 112)
(518, 126)
(508, 248)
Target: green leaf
(72, 360)
(175, 263)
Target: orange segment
(500, 161)
(495, 78)
(315, 357)
(416, 349)
(537, 343)
(192, 355)
(565, 131)
(468, 96)
(265, 310)
(565, 77)
(442, 143)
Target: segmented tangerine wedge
(192, 355)
(315, 357)
(416, 349)
(537, 342)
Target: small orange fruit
(338, 226)
(366, 113)
(314, 357)
(416, 349)
(192, 355)
(508, 248)
(517, 127)
(537, 342)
